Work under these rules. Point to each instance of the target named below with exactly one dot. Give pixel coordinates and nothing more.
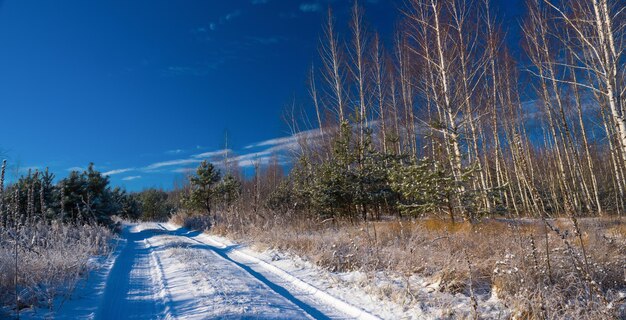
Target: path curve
(167, 272)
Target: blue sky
(146, 88)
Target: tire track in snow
(310, 310)
(129, 288)
(225, 251)
(164, 292)
(164, 272)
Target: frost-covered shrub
(51, 259)
(192, 221)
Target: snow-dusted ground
(162, 271)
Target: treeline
(83, 197)
(437, 123)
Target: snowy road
(166, 272)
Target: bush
(191, 221)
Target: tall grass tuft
(42, 260)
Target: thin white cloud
(288, 141)
(129, 178)
(310, 7)
(232, 15)
(175, 151)
(183, 170)
(211, 154)
(224, 19)
(170, 163)
(262, 153)
(75, 169)
(261, 160)
(117, 171)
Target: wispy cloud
(211, 154)
(276, 150)
(310, 7)
(261, 158)
(75, 169)
(184, 170)
(287, 142)
(224, 19)
(231, 15)
(170, 163)
(117, 171)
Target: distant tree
(36, 195)
(154, 205)
(48, 197)
(204, 187)
(71, 190)
(81, 197)
(98, 201)
(87, 197)
(128, 205)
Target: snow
(378, 295)
(162, 271)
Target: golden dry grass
(538, 270)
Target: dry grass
(191, 221)
(551, 270)
(52, 258)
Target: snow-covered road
(167, 272)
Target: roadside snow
(162, 271)
(377, 294)
(84, 301)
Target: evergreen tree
(204, 186)
(229, 190)
(154, 205)
(72, 192)
(282, 199)
(128, 205)
(371, 185)
(87, 197)
(424, 187)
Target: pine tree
(204, 186)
